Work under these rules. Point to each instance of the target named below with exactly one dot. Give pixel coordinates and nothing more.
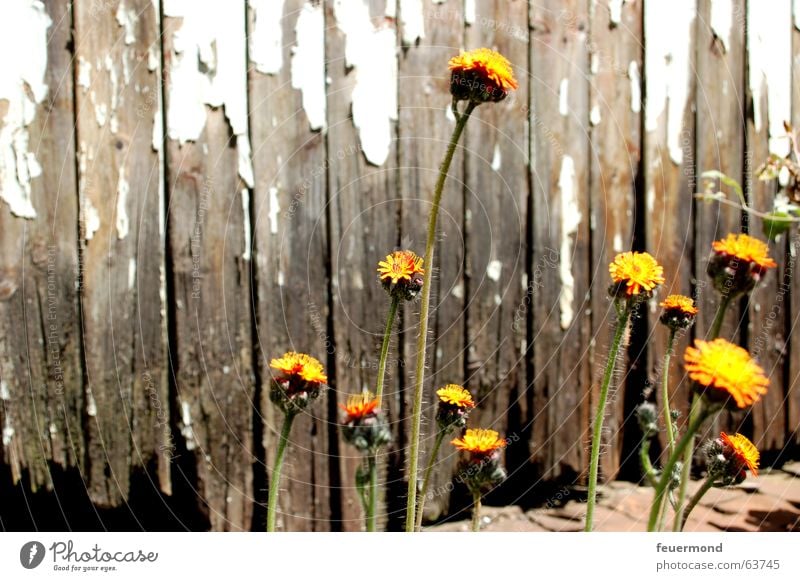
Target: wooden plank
(291, 248)
(425, 129)
(208, 230)
(615, 117)
(793, 332)
(41, 388)
(361, 49)
(496, 196)
(122, 304)
(560, 237)
(769, 43)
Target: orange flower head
(725, 372)
(481, 75)
(401, 274)
(360, 406)
(742, 451)
(455, 395)
(679, 312)
(301, 380)
(479, 441)
(635, 275)
(745, 248)
(300, 365)
(737, 264)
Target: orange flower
(742, 450)
(679, 303)
(359, 406)
(479, 441)
(481, 75)
(455, 395)
(635, 273)
(745, 248)
(301, 365)
(400, 265)
(726, 371)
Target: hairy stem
(476, 512)
(665, 392)
(275, 479)
(426, 479)
(709, 482)
(387, 336)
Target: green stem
(716, 326)
(275, 481)
(426, 479)
(665, 392)
(422, 339)
(476, 512)
(597, 430)
(686, 469)
(666, 472)
(647, 465)
(373, 493)
(709, 482)
(387, 335)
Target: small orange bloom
(489, 64)
(400, 265)
(745, 248)
(300, 365)
(455, 395)
(683, 304)
(636, 273)
(479, 441)
(743, 451)
(359, 406)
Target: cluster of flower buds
(299, 380)
(729, 458)
(647, 416)
(364, 425)
(480, 467)
(453, 408)
(679, 312)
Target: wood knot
(9, 283)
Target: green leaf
(776, 223)
(728, 181)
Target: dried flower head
(635, 275)
(299, 380)
(679, 312)
(401, 274)
(364, 425)
(481, 75)
(737, 264)
(454, 406)
(725, 372)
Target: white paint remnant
(5, 394)
(497, 160)
(266, 38)
(123, 189)
(358, 280)
(23, 41)
(722, 21)
(246, 223)
(563, 97)
(458, 290)
(469, 12)
(91, 219)
(493, 270)
(207, 67)
(84, 73)
(372, 54)
(131, 272)
(8, 431)
(668, 67)
(308, 63)
(636, 87)
(615, 11)
(91, 404)
(448, 114)
(497, 299)
(127, 19)
(594, 63)
(617, 243)
(282, 279)
(245, 161)
(769, 49)
(274, 210)
(187, 432)
(152, 58)
(391, 9)
(412, 17)
(594, 115)
(796, 9)
(570, 220)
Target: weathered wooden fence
(193, 187)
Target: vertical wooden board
(720, 99)
(615, 117)
(669, 180)
(361, 47)
(769, 70)
(426, 125)
(41, 389)
(793, 333)
(209, 172)
(496, 206)
(119, 180)
(287, 106)
(560, 173)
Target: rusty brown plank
(207, 159)
(41, 386)
(291, 253)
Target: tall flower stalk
(478, 76)
(480, 466)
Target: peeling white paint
(152, 58)
(722, 21)
(245, 160)
(358, 280)
(123, 189)
(308, 63)
(274, 210)
(91, 219)
(127, 19)
(207, 67)
(91, 404)
(594, 63)
(796, 9)
(266, 38)
(413, 20)
(372, 54)
(636, 86)
(131, 272)
(563, 97)
(570, 220)
(497, 160)
(246, 223)
(594, 115)
(668, 68)
(469, 12)
(84, 73)
(458, 290)
(23, 41)
(615, 11)
(391, 9)
(493, 270)
(769, 48)
(8, 431)
(448, 114)
(282, 279)
(5, 394)
(617, 243)
(186, 431)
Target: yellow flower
(455, 395)
(301, 365)
(400, 265)
(481, 75)
(635, 273)
(680, 304)
(745, 248)
(742, 450)
(725, 371)
(359, 406)
(479, 441)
